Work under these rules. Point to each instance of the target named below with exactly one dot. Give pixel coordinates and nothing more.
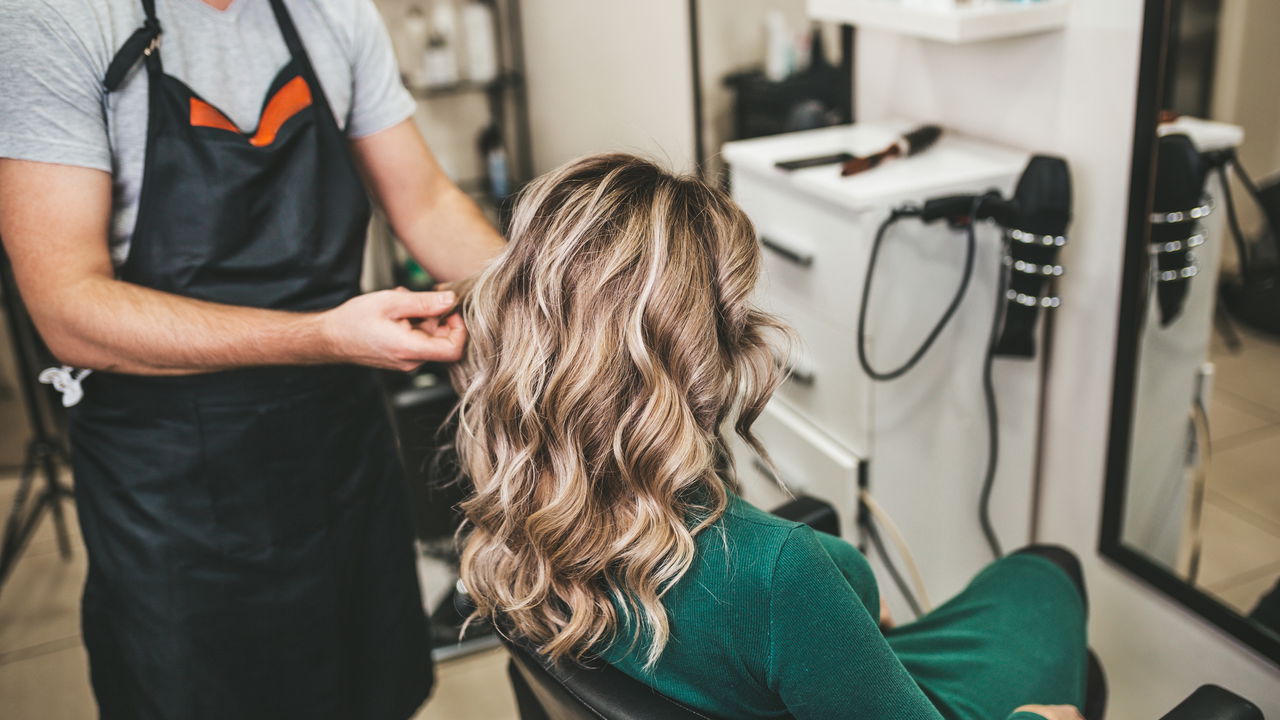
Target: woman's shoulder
(767, 543)
(740, 510)
(755, 538)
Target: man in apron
(237, 483)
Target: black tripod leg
(1227, 328)
(12, 528)
(15, 529)
(53, 496)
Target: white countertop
(954, 161)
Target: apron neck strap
(290, 33)
(144, 41)
(299, 54)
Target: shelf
(964, 24)
(502, 82)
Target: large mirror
(1193, 500)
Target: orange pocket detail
(291, 99)
(205, 115)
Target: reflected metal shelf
(962, 24)
(504, 81)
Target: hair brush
(916, 141)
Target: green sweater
(775, 619)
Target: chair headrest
(568, 691)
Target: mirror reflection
(1203, 498)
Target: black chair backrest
(1210, 702)
(568, 691)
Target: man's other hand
(395, 329)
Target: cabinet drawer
(808, 463)
(826, 385)
(812, 251)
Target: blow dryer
(1035, 221)
(1177, 207)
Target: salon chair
(568, 691)
(601, 692)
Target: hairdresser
(184, 194)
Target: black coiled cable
(988, 385)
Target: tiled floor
(43, 673)
(1241, 529)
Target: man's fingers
(419, 304)
(444, 343)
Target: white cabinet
(923, 436)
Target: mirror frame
(1159, 19)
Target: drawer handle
(790, 253)
(797, 372)
(764, 470)
(778, 478)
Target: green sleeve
(827, 657)
(855, 569)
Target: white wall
(1246, 91)
(1073, 93)
(608, 75)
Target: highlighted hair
(610, 346)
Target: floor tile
(54, 686)
(1243, 594)
(41, 600)
(1249, 474)
(1231, 416)
(44, 540)
(472, 688)
(1250, 373)
(1232, 545)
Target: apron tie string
(66, 380)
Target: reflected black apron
(250, 549)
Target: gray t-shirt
(54, 55)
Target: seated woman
(612, 347)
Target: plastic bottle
(778, 62)
(416, 32)
(441, 58)
(481, 43)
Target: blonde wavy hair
(610, 345)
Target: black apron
(250, 549)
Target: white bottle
(778, 52)
(440, 61)
(481, 42)
(415, 37)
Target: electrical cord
(1220, 161)
(988, 385)
(1242, 248)
(993, 417)
(898, 580)
(970, 251)
(917, 578)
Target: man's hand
(1053, 712)
(886, 618)
(395, 329)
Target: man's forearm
(442, 228)
(450, 236)
(121, 327)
